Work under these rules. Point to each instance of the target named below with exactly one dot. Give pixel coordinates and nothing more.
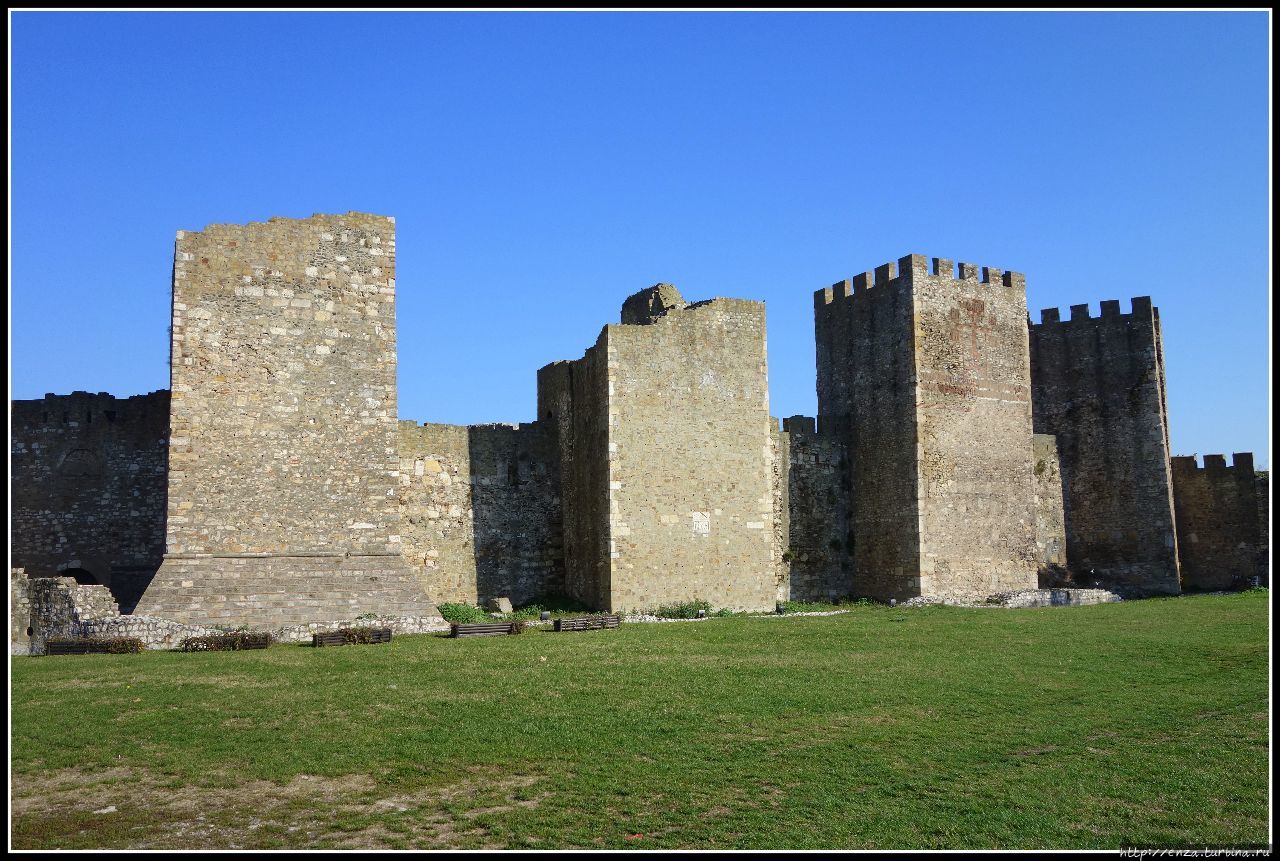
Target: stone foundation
(1023, 599)
(270, 592)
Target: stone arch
(90, 574)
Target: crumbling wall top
(644, 307)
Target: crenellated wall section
(1222, 542)
(812, 513)
(88, 484)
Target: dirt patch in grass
(153, 811)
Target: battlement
(800, 424)
(917, 265)
(1241, 461)
(1141, 309)
(85, 408)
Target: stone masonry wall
(1098, 386)
(865, 338)
(1217, 518)
(1051, 528)
(973, 381)
(666, 459)
(573, 403)
(88, 487)
(1262, 483)
(19, 612)
(283, 425)
(284, 375)
(481, 511)
(811, 515)
(690, 459)
(49, 607)
(925, 375)
(58, 606)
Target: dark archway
(82, 576)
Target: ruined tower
(1098, 386)
(925, 374)
(666, 470)
(283, 463)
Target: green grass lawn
(1140, 723)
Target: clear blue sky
(543, 166)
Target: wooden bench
(88, 646)
(481, 629)
(340, 637)
(74, 648)
(588, 623)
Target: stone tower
(1098, 386)
(925, 375)
(283, 461)
(666, 462)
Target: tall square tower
(282, 491)
(925, 373)
(666, 459)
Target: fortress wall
(1217, 516)
(866, 397)
(437, 531)
(1098, 386)
(690, 459)
(1051, 527)
(573, 402)
(282, 455)
(88, 480)
(481, 511)
(973, 384)
(812, 513)
(1262, 481)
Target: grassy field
(1141, 723)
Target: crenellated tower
(1098, 386)
(923, 370)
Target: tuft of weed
(462, 614)
(555, 604)
(687, 610)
